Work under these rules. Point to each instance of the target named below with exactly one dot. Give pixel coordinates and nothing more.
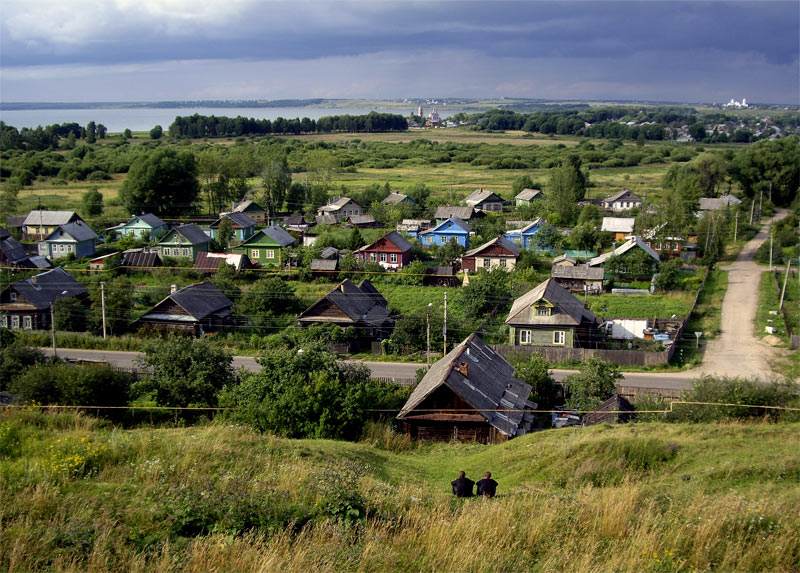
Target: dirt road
(737, 352)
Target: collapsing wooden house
(469, 395)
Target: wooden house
(445, 212)
(13, 254)
(366, 221)
(718, 203)
(441, 276)
(548, 315)
(147, 226)
(75, 238)
(328, 268)
(483, 200)
(184, 241)
(579, 278)
(267, 247)
(25, 304)
(208, 263)
(525, 236)
(397, 199)
(624, 200)
(413, 227)
(620, 227)
(616, 410)
(342, 208)
(499, 252)
(196, 309)
(250, 208)
(39, 223)
(626, 250)
(243, 226)
(525, 197)
(469, 395)
(453, 228)
(361, 307)
(565, 260)
(391, 251)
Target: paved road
(400, 371)
(736, 351)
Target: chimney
(172, 288)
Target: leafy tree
(547, 237)
(769, 161)
(70, 314)
(486, 289)
(710, 170)
(567, 186)
(419, 192)
(119, 302)
(584, 236)
(668, 276)
(451, 252)
(635, 264)
(91, 132)
(101, 131)
(320, 166)
(534, 369)
(156, 132)
(224, 233)
(595, 382)
(590, 214)
(9, 201)
(266, 299)
(276, 178)
(307, 393)
(186, 372)
(92, 202)
(127, 134)
(15, 358)
(163, 181)
(59, 383)
(411, 329)
(697, 131)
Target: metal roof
(480, 195)
(618, 224)
(447, 211)
(618, 195)
(43, 289)
(624, 248)
(140, 259)
(210, 261)
(366, 219)
(362, 303)
(78, 230)
(329, 253)
(581, 272)
(151, 220)
(395, 198)
(50, 218)
(338, 204)
(568, 310)
(528, 194)
(482, 378)
(715, 203)
(237, 219)
(327, 265)
(191, 233)
(201, 300)
(501, 241)
(12, 248)
(279, 235)
(457, 221)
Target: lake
(144, 119)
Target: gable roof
(191, 233)
(326, 219)
(393, 237)
(483, 379)
(480, 195)
(395, 198)
(200, 300)
(78, 230)
(447, 211)
(528, 226)
(237, 219)
(715, 203)
(12, 248)
(241, 206)
(4, 233)
(15, 221)
(43, 289)
(50, 218)
(457, 221)
(501, 241)
(279, 235)
(618, 224)
(570, 310)
(211, 261)
(366, 219)
(624, 248)
(327, 265)
(580, 272)
(151, 220)
(565, 258)
(527, 194)
(338, 204)
(616, 196)
(362, 303)
(139, 258)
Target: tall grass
(647, 497)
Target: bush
(65, 384)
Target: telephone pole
(53, 329)
(785, 280)
(735, 228)
(444, 324)
(103, 305)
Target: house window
(487, 263)
(383, 257)
(542, 311)
(4, 321)
(185, 252)
(255, 253)
(27, 323)
(558, 337)
(61, 248)
(524, 336)
(503, 262)
(69, 248)
(166, 252)
(428, 239)
(13, 297)
(15, 322)
(373, 257)
(393, 258)
(269, 254)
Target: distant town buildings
(736, 104)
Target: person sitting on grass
(462, 487)
(487, 487)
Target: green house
(146, 226)
(183, 241)
(267, 246)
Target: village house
(445, 212)
(366, 221)
(341, 209)
(581, 278)
(27, 304)
(267, 247)
(620, 227)
(104, 262)
(38, 224)
(548, 315)
(134, 260)
(412, 227)
(483, 200)
(196, 309)
(397, 198)
(499, 252)
(453, 228)
(13, 254)
(251, 209)
(565, 260)
(718, 203)
(525, 197)
(469, 395)
(328, 268)
(147, 227)
(243, 226)
(295, 223)
(208, 263)
(361, 307)
(75, 238)
(391, 251)
(626, 249)
(184, 241)
(525, 236)
(441, 276)
(624, 200)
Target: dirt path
(736, 351)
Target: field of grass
(79, 495)
(644, 306)
(708, 314)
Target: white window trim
(27, 323)
(186, 252)
(269, 254)
(383, 257)
(525, 337)
(4, 320)
(13, 296)
(255, 253)
(559, 337)
(393, 258)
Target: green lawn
(642, 306)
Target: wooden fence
(622, 357)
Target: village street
(737, 352)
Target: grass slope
(81, 496)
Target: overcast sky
(146, 50)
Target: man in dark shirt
(462, 487)
(487, 486)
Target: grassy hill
(80, 495)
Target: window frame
(559, 337)
(525, 337)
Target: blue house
(454, 227)
(147, 226)
(525, 237)
(76, 238)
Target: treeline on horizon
(196, 125)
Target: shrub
(60, 383)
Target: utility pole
(735, 228)
(760, 202)
(785, 280)
(428, 331)
(752, 208)
(53, 329)
(770, 191)
(444, 324)
(103, 305)
(771, 235)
